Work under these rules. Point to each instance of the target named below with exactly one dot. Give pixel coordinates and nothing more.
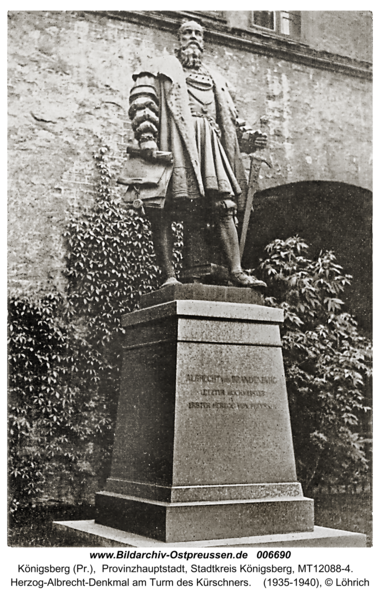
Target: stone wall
(348, 33)
(69, 78)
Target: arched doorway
(329, 216)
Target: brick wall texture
(69, 79)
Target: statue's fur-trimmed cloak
(176, 126)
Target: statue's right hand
(148, 149)
(149, 153)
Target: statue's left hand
(259, 139)
(250, 141)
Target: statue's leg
(195, 234)
(227, 232)
(161, 224)
(225, 220)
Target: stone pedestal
(203, 447)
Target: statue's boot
(163, 245)
(230, 244)
(241, 279)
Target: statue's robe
(176, 127)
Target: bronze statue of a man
(179, 105)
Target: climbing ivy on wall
(39, 400)
(110, 264)
(65, 351)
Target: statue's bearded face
(191, 44)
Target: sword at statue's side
(256, 161)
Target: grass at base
(34, 528)
(351, 512)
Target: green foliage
(38, 400)
(111, 259)
(54, 418)
(327, 362)
(110, 264)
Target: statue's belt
(209, 118)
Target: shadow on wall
(328, 216)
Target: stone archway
(329, 216)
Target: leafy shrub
(327, 362)
(38, 402)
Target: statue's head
(190, 36)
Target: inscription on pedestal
(231, 394)
(232, 415)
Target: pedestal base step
(89, 532)
(198, 291)
(192, 521)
